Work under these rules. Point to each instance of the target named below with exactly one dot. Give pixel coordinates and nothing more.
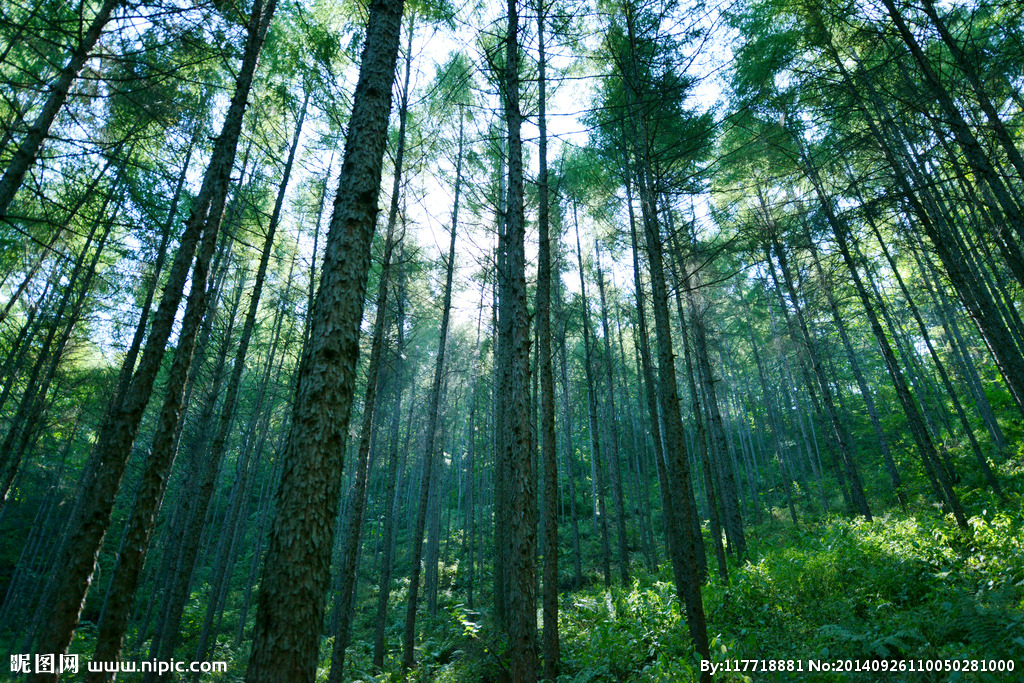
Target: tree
(291, 603)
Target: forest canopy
(625, 340)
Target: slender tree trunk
(597, 467)
(28, 151)
(117, 436)
(919, 431)
(409, 635)
(614, 458)
(390, 500)
(143, 518)
(862, 385)
(673, 519)
(548, 453)
(851, 472)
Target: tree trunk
(28, 151)
(614, 458)
(409, 635)
(548, 453)
(390, 500)
(919, 432)
(297, 570)
(597, 467)
(120, 427)
(521, 512)
(353, 525)
(862, 385)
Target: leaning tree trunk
(297, 571)
(28, 151)
(862, 385)
(120, 428)
(143, 517)
(838, 434)
(919, 432)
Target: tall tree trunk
(353, 525)
(409, 635)
(120, 427)
(143, 517)
(548, 453)
(521, 511)
(390, 500)
(672, 517)
(925, 446)
(838, 434)
(597, 467)
(710, 488)
(862, 385)
(730, 498)
(614, 458)
(675, 439)
(297, 570)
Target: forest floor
(907, 587)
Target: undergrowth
(904, 587)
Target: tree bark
(521, 512)
(353, 525)
(120, 427)
(597, 467)
(297, 570)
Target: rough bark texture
(353, 524)
(297, 570)
(522, 504)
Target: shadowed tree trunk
(28, 151)
(521, 511)
(120, 427)
(548, 453)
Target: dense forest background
(503, 342)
